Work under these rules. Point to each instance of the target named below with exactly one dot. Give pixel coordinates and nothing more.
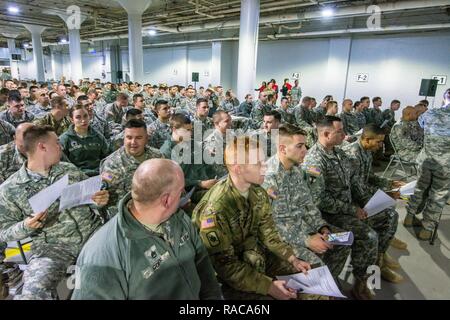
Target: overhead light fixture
(26, 45)
(152, 32)
(327, 12)
(63, 40)
(13, 9)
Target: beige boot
(388, 274)
(411, 221)
(390, 261)
(398, 244)
(360, 290)
(425, 234)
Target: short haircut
(364, 98)
(395, 101)
(409, 113)
(273, 113)
(248, 95)
(57, 102)
(356, 104)
(289, 130)
(217, 116)
(136, 96)
(270, 96)
(327, 122)
(4, 91)
(425, 102)
(92, 91)
(132, 113)
(179, 120)
(33, 88)
(82, 98)
(376, 99)
(284, 98)
(75, 108)
(135, 123)
(159, 104)
(330, 104)
(122, 96)
(201, 100)
(33, 135)
(306, 99)
(238, 150)
(14, 95)
(372, 130)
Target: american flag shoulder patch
(208, 222)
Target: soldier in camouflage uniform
(214, 144)
(173, 98)
(239, 233)
(304, 118)
(359, 114)
(246, 107)
(298, 220)
(296, 93)
(360, 155)
(98, 123)
(287, 115)
(58, 117)
(149, 96)
(114, 112)
(375, 115)
(259, 109)
(139, 103)
(201, 116)
(337, 196)
(42, 106)
(118, 168)
(433, 185)
(230, 103)
(188, 104)
(404, 136)
(268, 135)
(349, 120)
(159, 130)
(57, 236)
(16, 113)
(7, 132)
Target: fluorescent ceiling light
(327, 12)
(26, 45)
(12, 9)
(152, 32)
(63, 40)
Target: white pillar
(12, 50)
(216, 63)
(38, 56)
(248, 47)
(76, 66)
(135, 8)
(337, 68)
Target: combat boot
(386, 273)
(360, 291)
(398, 244)
(411, 221)
(425, 234)
(390, 262)
(3, 288)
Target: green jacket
(193, 173)
(234, 229)
(59, 126)
(125, 260)
(85, 152)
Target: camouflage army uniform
(173, 101)
(7, 116)
(242, 240)
(286, 116)
(304, 119)
(10, 160)
(350, 123)
(38, 110)
(334, 195)
(296, 94)
(402, 134)
(149, 100)
(229, 106)
(361, 118)
(7, 132)
(205, 123)
(368, 184)
(297, 217)
(57, 244)
(118, 170)
(268, 141)
(245, 109)
(59, 126)
(110, 96)
(158, 132)
(99, 108)
(389, 115)
(101, 125)
(188, 105)
(375, 117)
(214, 145)
(433, 185)
(258, 112)
(114, 113)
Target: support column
(216, 63)
(248, 47)
(135, 8)
(38, 56)
(12, 50)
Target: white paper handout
(408, 189)
(318, 281)
(45, 198)
(379, 202)
(80, 193)
(341, 238)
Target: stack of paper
(184, 200)
(318, 281)
(407, 189)
(341, 238)
(379, 202)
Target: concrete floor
(426, 268)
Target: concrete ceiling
(182, 20)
